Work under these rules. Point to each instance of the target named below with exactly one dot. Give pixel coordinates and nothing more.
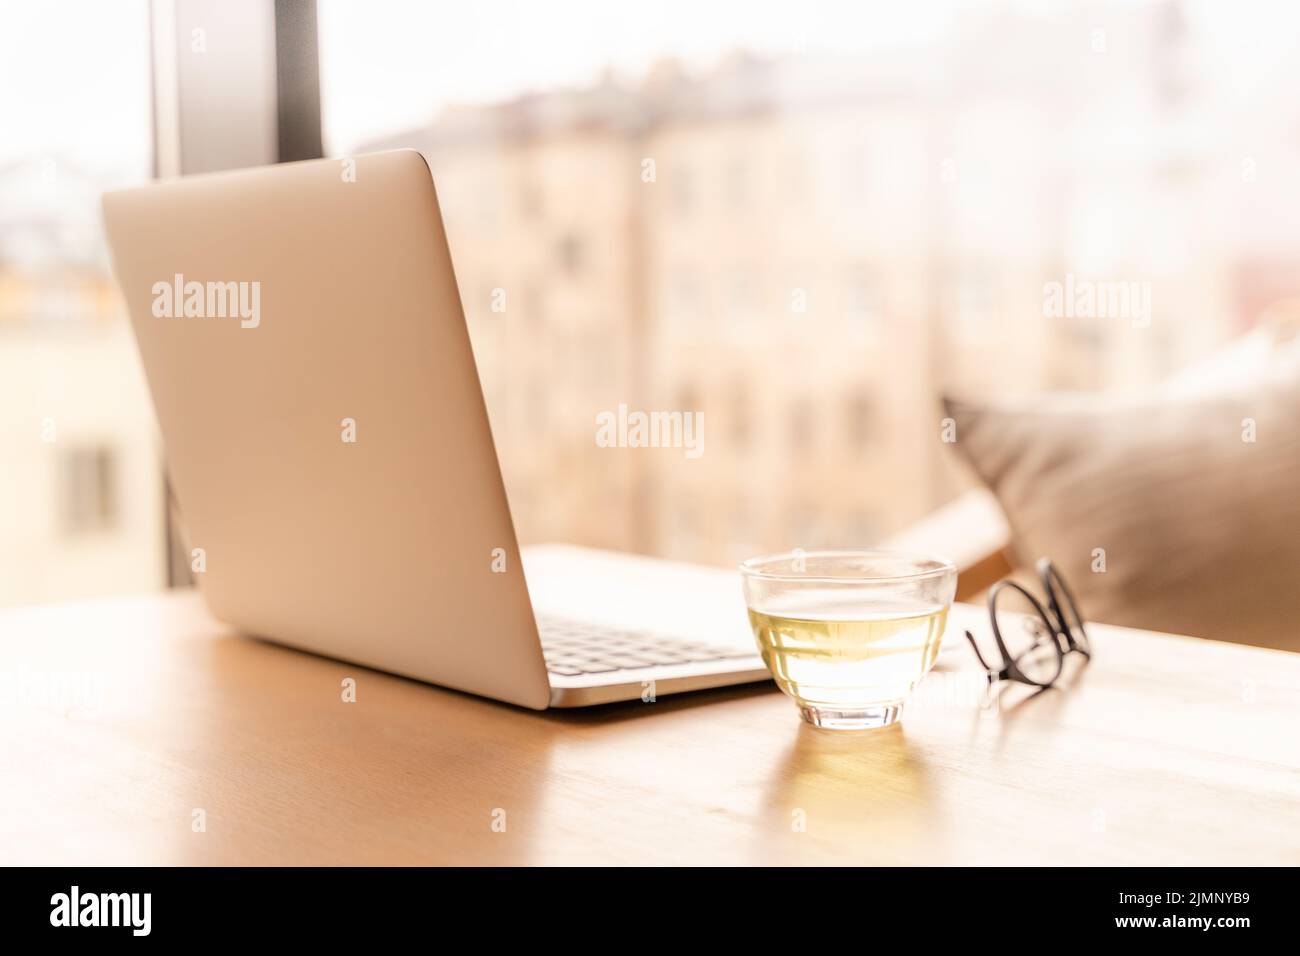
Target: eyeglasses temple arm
(975, 647)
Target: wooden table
(123, 719)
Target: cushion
(1164, 511)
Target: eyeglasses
(1032, 638)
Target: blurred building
(81, 487)
(809, 252)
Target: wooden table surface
(128, 723)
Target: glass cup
(848, 634)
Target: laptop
(328, 443)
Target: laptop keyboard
(576, 647)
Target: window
(81, 488)
(90, 491)
(570, 255)
(916, 200)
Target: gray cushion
(1200, 530)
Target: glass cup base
(852, 718)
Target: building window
(570, 255)
(859, 421)
(88, 479)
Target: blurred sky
(74, 83)
(74, 74)
(391, 64)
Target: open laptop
(328, 443)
